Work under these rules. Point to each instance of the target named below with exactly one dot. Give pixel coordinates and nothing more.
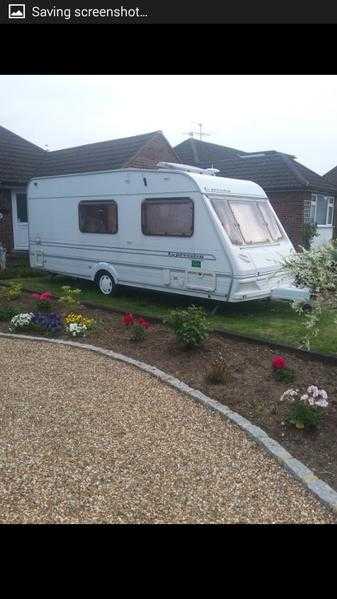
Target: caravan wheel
(105, 283)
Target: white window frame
(330, 202)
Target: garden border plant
(315, 268)
(311, 482)
(263, 341)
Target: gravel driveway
(87, 439)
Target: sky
(295, 114)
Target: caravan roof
(207, 183)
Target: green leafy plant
(305, 409)
(284, 375)
(315, 268)
(302, 416)
(139, 326)
(8, 313)
(310, 231)
(218, 371)
(190, 325)
(138, 333)
(12, 291)
(70, 297)
(43, 301)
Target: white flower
(76, 330)
(323, 403)
(290, 394)
(20, 320)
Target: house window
(98, 217)
(171, 217)
(21, 208)
(322, 209)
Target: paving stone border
(319, 488)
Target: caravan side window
(171, 217)
(98, 217)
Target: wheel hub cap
(105, 284)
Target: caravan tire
(105, 283)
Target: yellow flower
(73, 318)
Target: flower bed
(242, 377)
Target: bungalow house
(21, 160)
(298, 194)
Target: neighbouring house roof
(19, 158)
(194, 151)
(331, 176)
(274, 171)
(105, 155)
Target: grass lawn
(275, 321)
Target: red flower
(128, 319)
(143, 323)
(44, 296)
(278, 362)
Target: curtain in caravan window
(227, 220)
(98, 217)
(270, 220)
(251, 222)
(168, 217)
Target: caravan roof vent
(188, 168)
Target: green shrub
(303, 416)
(284, 375)
(8, 313)
(218, 371)
(190, 325)
(305, 409)
(310, 231)
(138, 332)
(70, 297)
(12, 291)
(315, 268)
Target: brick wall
(290, 208)
(6, 226)
(156, 150)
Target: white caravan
(174, 228)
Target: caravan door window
(247, 222)
(98, 217)
(171, 217)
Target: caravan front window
(247, 221)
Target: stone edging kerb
(319, 488)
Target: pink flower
(278, 362)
